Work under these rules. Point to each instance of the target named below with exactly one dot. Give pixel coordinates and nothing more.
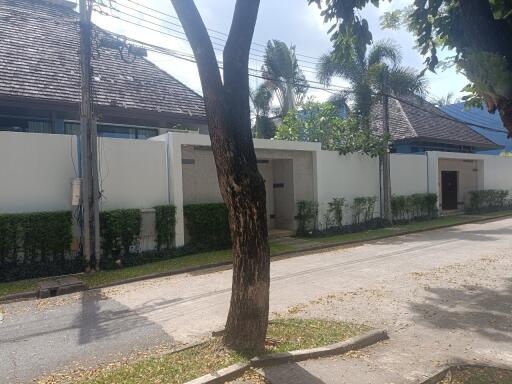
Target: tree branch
(236, 66)
(204, 53)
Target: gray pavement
(442, 295)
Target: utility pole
(385, 163)
(88, 142)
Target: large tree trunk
(504, 106)
(241, 185)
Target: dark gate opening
(449, 190)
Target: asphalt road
(82, 330)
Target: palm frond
(384, 51)
(403, 80)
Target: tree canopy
(324, 123)
(371, 74)
(478, 32)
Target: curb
(18, 297)
(227, 265)
(222, 375)
(236, 370)
(351, 344)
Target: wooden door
(449, 190)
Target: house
(484, 123)
(40, 79)
(417, 126)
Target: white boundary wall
(347, 176)
(36, 171)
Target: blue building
(477, 118)
(417, 126)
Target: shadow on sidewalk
(291, 373)
(477, 309)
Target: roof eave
(447, 141)
(128, 112)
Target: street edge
(211, 268)
(236, 370)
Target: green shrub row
(30, 243)
(418, 205)
(119, 230)
(38, 244)
(165, 224)
(363, 209)
(207, 225)
(488, 199)
(307, 216)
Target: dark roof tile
(412, 119)
(39, 59)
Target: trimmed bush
(335, 210)
(165, 225)
(418, 205)
(307, 216)
(488, 199)
(363, 208)
(119, 230)
(208, 225)
(36, 245)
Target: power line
(100, 2)
(189, 57)
(307, 70)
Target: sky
(291, 21)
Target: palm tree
(264, 127)
(376, 73)
(283, 76)
(445, 100)
(374, 77)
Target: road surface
(38, 338)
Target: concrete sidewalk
(437, 293)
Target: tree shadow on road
(291, 373)
(96, 323)
(476, 309)
(453, 233)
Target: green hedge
(363, 208)
(36, 245)
(418, 205)
(119, 230)
(208, 225)
(165, 224)
(488, 199)
(307, 216)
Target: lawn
(210, 258)
(111, 276)
(175, 368)
(440, 222)
(478, 375)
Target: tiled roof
(414, 119)
(39, 59)
(476, 118)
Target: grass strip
(478, 375)
(211, 258)
(176, 368)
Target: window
(22, 124)
(126, 132)
(71, 128)
(116, 131)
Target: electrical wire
(209, 29)
(218, 47)
(331, 89)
